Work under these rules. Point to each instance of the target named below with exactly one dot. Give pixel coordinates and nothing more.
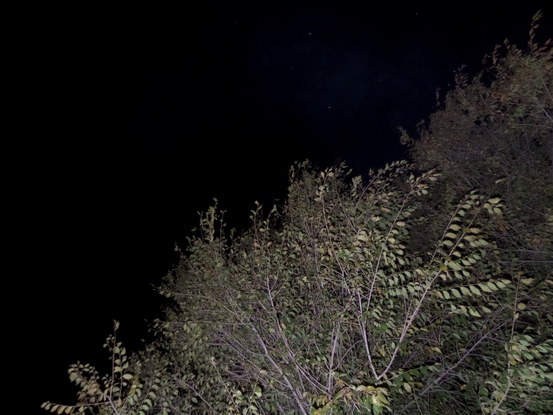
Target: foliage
(325, 311)
(393, 295)
(113, 393)
(494, 133)
(321, 308)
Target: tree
(339, 303)
(322, 309)
(494, 133)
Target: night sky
(126, 124)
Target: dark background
(123, 124)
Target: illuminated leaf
(465, 290)
(474, 312)
(475, 290)
(485, 288)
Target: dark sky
(125, 124)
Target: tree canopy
(426, 288)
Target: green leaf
(363, 236)
(465, 290)
(485, 288)
(475, 290)
(454, 266)
(474, 312)
(258, 392)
